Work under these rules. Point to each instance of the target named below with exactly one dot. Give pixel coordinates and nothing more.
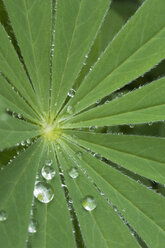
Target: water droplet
(92, 128)
(73, 172)
(131, 126)
(70, 110)
(96, 155)
(43, 192)
(48, 172)
(32, 226)
(49, 162)
(19, 116)
(23, 143)
(28, 141)
(71, 93)
(3, 215)
(89, 203)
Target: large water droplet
(32, 226)
(89, 203)
(71, 93)
(3, 215)
(43, 192)
(73, 172)
(70, 110)
(48, 172)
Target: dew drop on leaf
(48, 172)
(3, 215)
(89, 203)
(69, 110)
(71, 93)
(43, 192)
(92, 128)
(131, 126)
(32, 226)
(49, 162)
(73, 172)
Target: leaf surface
(140, 154)
(73, 40)
(18, 181)
(142, 208)
(136, 49)
(11, 100)
(143, 105)
(31, 21)
(54, 223)
(13, 131)
(11, 67)
(101, 227)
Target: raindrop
(49, 162)
(22, 143)
(70, 110)
(48, 172)
(32, 226)
(28, 141)
(131, 126)
(71, 93)
(73, 172)
(3, 215)
(43, 192)
(19, 116)
(96, 155)
(89, 203)
(92, 128)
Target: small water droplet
(43, 192)
(89, 203)
(73, 172)
(32, 226)
(19, 116)
(49, 162)
(28, 141)
(92, 128)
(48, 172)
(71, 93)
(131, 126)
(70, 110)
(96, 155)
(3, 215)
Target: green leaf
(32, 27)
(130, 198)
(11, 100)
(103, 223)
(143, 105)
(136, 49)
(16, 193)
(73, 40)
(13, 131)
(140, 154)
(11, 67)
(54, 227)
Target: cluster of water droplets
(43, 191)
